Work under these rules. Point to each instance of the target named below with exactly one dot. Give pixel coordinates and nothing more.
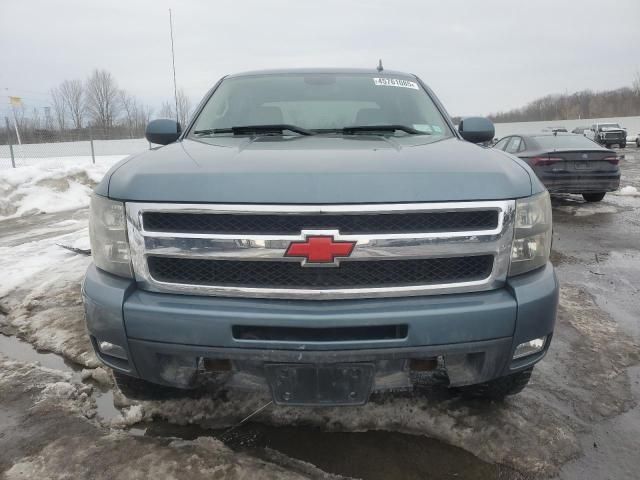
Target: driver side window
(514, 145)
(502, 143)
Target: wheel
(139, 389)
(638, 142)
(623, 145)
(593, 197)
(500, 387)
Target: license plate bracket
(320, 384)
(584, 165)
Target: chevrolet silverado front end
(321, 234)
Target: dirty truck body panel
(321, 266)
(489, 324)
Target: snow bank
(629, 190)
(50, 186)
(129, 416)
(41, 261)
(62, 390)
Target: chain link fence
(57, 147)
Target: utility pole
(13, 159)
(173, 61)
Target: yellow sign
(15, 101)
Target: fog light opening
(530, 348)
(423, 364)
(216, 365)
(112, 350)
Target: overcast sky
(479, 56)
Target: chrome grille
(346, 224)
(614, 135)
(411, 249)
(378, 273)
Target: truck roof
(281, 71)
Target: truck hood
(319, 170)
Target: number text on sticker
(395, 82)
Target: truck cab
(322, 235)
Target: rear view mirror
(162, 131)
(476, 129)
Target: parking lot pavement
(579, 417)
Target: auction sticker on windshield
(395, 82)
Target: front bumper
(166, 335)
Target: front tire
(499, 388)
(593, 197)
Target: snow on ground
(628, 190)
(40, 283)
(49, 432)
(39, 261)
(50, 186)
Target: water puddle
(373, 455)
(104, 404)
(22, 351)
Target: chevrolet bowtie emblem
(320, 250)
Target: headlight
(108, 232)
(532, 236)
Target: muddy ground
(61, 416)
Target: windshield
(565, 141)
(322, 103)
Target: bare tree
(102, 98)
(48, 120)
(36, 123)
(59, 108)
(184, 107)
(72, 92)
(166, 110)
(129, 107)
(144, 115)
(135, 115)
(141, 118)
(620, 102)
(635, 84)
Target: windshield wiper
(382, 128)
(249, 129)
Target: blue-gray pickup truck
(323, 234)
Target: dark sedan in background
(567, 163)
(580, 130)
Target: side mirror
(476, 129)
(162, 131)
